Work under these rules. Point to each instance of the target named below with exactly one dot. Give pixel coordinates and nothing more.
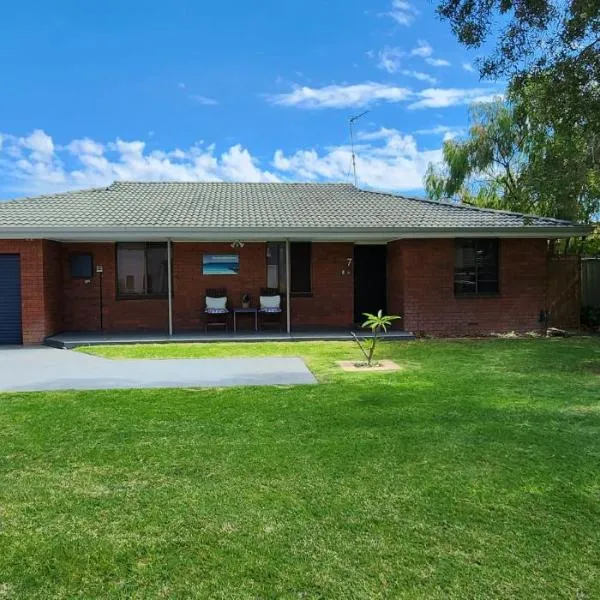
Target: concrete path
(45, 369)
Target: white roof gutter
(350, 234)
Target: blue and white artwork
(220, 264)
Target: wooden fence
(590, 282)
(564, 292)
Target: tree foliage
(529, 34)
(560, 37)
(590, 246)
(549, 50)
(511, 160)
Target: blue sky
(245, 91)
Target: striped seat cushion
(216, 311)
(270, 309)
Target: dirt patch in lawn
(357, 367)
(592, 366)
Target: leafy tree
(590, 246)
(511, 160)
(485, 168)
(551, 44)
(530, 34)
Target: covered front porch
(94, 338)
(157, 290)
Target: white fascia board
(384, 234)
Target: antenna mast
(351, 121)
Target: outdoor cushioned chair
(216, 312)
(270, 310)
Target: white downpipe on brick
(288, 279)
(170, 287)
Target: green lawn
(472, 473)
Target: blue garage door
(10, 299)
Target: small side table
(237, 311)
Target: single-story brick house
(140, 257)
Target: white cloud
(403, 12)
(468, 67)
(38, 142)
(419, 75)
(341, 96)
(129, 149)
(389, 59)
(379, 134)
(85, 146)
(34, 164)
(386, 159)
(364, 94)
(12, 149)
(31, 157)
(447, 131)
(444, 97)
(205, 100)
(449, 135)
(437, 62)
(237, 164)
(423, 49)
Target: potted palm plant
(245, 300)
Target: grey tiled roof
(248, 205)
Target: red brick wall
(395, 282)
(332, 300)
(82, 300)
(330, 305)
(190, 285)
(40, 296)
(431, 307)
(420, 287)
(53, 287)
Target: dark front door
(369, 280)
(10, 299)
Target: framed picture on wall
(220, 264)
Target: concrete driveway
(45, 369)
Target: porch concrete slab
(49, 369)
(73, 340)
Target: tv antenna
(351, 121)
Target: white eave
(338, 234)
